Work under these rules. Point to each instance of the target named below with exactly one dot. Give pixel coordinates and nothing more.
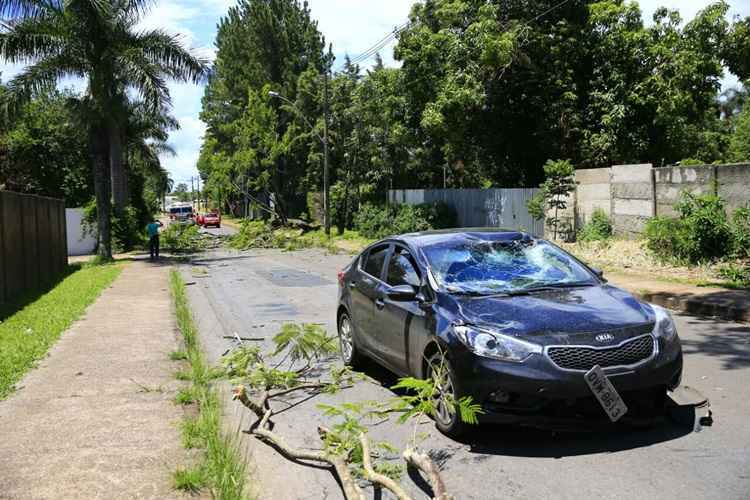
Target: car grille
(584, 358)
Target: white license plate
(606, 393)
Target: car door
(396, 319)
(364, 289)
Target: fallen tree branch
(424, 463)
(377, 478)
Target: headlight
(664, 327)
(495, 345)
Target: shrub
(252, 234)
(598, 228)
(705, 235)
(663, 239)
(380, 221)
(127, 230)
(739, 227)
(701, 234)
(736, 274)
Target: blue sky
(351, 25)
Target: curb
(725, 308)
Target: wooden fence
(502, 208)
(33, 246)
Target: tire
(350, 355)
(446, 418)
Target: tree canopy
(486, 93)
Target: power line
(379, 45)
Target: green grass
(190, 480)
(27, 334)
(177, 355)
(184, 397)
(221, 467)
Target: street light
(324, 141)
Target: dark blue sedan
(529, 332)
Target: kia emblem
(604, 337)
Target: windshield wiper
(548, 287)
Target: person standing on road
(153, 238)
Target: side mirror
(402, 293)
(599, 273)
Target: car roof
(425, 238)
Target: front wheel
(349, 353)
(447, 393)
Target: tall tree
(260, 43)
(95, 40)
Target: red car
(211, 219)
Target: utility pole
(326, 200)
(192, 190)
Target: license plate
(606, 393)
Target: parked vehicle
(533, 335)
(209, 219)
(181, 213)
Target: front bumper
(537, 392)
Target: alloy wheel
(445, 395)
(345, 339)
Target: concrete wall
(33, 248)
(632, 198)
(80, 242)
(632, 194)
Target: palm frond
(30, 39)
(168, 52)
(145, 77)
(41, 77)
(15, 9)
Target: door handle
(379, 303)
(352, 284)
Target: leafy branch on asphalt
(294, 366)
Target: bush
(182, 238)
(736, 274)
(706, 233)
(127, 230)
(598, 228)
(380, 221)
(701, 234)
(739, 227)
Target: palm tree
(95, 40)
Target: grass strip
(221, 467)
(27, 334)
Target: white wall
(79, 242)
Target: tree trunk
(102, 189)
(117, 167)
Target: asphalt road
(253, 293)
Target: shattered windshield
(492, 267)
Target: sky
(351, 25)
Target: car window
(375, 260)
(401, 269)
(471, 265)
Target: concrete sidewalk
(732, 305)
(96, 418)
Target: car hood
(560, 316)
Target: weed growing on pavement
(221, 467)
(184, 397)
(190, 480)
(177, 355)
(27, 334)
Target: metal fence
(502, 208)
(33, 246)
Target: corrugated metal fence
(504, 208)
(33, 246)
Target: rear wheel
(349, 353)
(447, 393)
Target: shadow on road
(730, 344)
